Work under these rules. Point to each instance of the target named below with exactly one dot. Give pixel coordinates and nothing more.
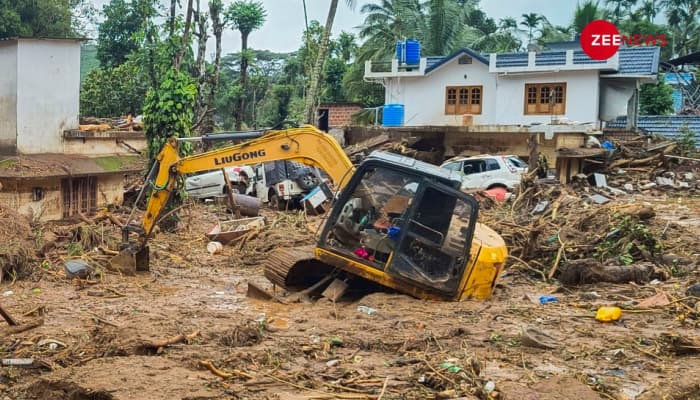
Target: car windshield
(516, 162)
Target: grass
(111, 163)
(8, 163)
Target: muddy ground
(99, 338)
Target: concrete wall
(503, 96)
(582, 95)
(48, 89)
(8, 98)
(17, 194)
(424, 97)
(94, 146)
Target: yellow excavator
(395, 221)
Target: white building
(564, 85)
(50, 168)
(39, 93)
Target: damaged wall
(8, 98)
(20, 194)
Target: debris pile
(16, 245)
(555, 230)
(652, 163)
(123, 123)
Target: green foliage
(109, 92)
(36, 18)
(333, 72)
(246, 15)
(88, 60)
(168, 110)
(656, 98)
(629, 241)
(687, 142)
(585, 12)
(116, 38)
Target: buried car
(212, 184)
(488, 171)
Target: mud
(407, 349)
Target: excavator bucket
(131, 259)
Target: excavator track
(295, 268)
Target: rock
(648, 185)
(661, 181)
(670, 259)
(693, 291)
(683, 185)
(628, 187)
(688, 176)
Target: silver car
(212, 183)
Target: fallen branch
(11, 321)
(170, 341)
(24, 327)
(222, 374)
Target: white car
(212, 184)
(487, 171)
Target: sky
(285, 19)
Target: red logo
(600, 39)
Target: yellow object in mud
(608, 314)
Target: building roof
(633, 60)
(64, 165)
(692, 58)
(439, 61)
(666, 125)
(640, 60)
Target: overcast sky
(285, 19)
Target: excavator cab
(405, 224)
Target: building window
(79, 196)
(463, 100)
(545, 98)
(464, 60)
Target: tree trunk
(185, 36)
(243, 80)
(201, 108)
(218, 29)
(173, 4)
(314, 86)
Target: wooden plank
(8, 317)
(335, 290)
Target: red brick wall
(339, 115)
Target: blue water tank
(392, 115)
(412, 50)
(400, 52)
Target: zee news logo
(600, 39)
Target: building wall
(582, 95)
(340, 114)
(424, 97)
(48, 89)
(8, 97)
(17, 194)
(100, 146)
(503, 97)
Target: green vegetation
(88, 60)
(656, 98)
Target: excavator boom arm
(305, 144)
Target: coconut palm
(246, 17)
(649, 10)
(387, 22)
(682, 18)
(531, 22)
(589, 11)
(315, 79)
(445, 19)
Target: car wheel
(307, 181)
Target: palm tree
(312, 94)
(245, 16)
(385, 23)
(531, 21)
(649, 10)
(347, 46)
(585, 13)
(684, 24)
(554, 33)
(445, 19)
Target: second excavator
(395, 221)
